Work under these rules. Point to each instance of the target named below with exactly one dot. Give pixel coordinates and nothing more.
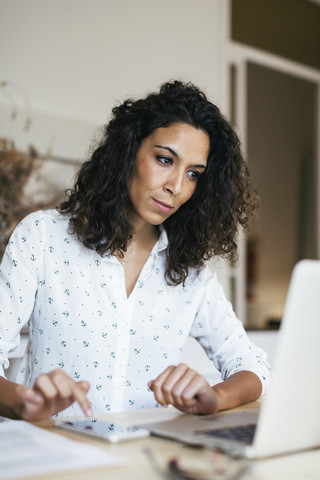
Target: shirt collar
(161, 245)
(162, 242)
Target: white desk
(302, 466)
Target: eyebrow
(176, 155)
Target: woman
(116, 279)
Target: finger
(198, 397)
(175, 381)
(32, 402)
(191, 390)
(184, 390)
(29, 395)
(57, 385)
(63, 383)
(45, 387)
(69, 389)
(164, 384)
(84, 385)
(156, 385)
(80, 395)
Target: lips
(162, 206)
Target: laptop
(289, 419)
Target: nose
(174, 182)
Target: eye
(194, 175)
(164, 160)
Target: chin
(156, 220)
(156, 223)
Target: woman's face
(168, 164)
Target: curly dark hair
(206, 225)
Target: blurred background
(66, 63)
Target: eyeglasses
(222, 468)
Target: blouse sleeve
(223, 337)
(18, 283)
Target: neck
(144, 233)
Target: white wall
(74, 59)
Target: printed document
(27, 451)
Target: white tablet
(110, 431)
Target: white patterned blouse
(81, 320)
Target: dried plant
(15, 171)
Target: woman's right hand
(51, 393)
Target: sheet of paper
(26, 450)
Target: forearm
(241, 387)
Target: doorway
(281, 150)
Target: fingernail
(89, 412)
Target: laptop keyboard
(242, 433)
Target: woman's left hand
(185, 389)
